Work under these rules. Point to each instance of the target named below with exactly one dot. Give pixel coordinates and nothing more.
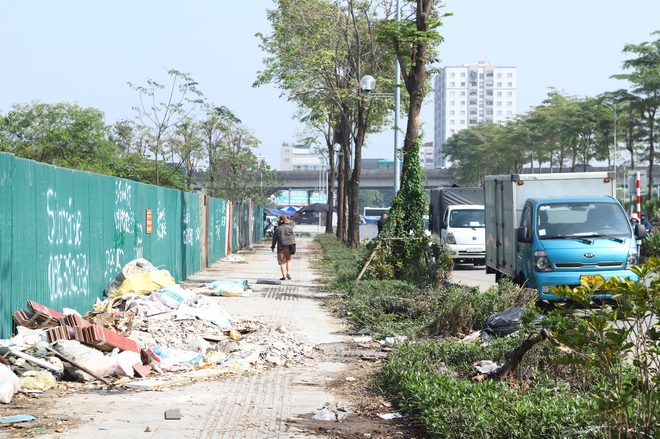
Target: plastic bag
(503, 323)
(42, 380)
(9, 384)
(87, 357)
(198, 344)
(210, 310)
(122, 363)
(136, 266)
(232, 289)
(174, 359)
(144, 283)
(171, 296)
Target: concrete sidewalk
(251, 406)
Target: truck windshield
(568, 220)
(467, 218)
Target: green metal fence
(64, 235)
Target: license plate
(473, 250)
(592, 280)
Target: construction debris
(146, 325)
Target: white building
(469, 94)
(427, 155)
(300, 158)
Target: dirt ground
(352, 387)
(361, 399)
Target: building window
(509, 93)
(462, 121)
(452, 102)
(473, 83)
(489, 92)
(452, 84)
(499, 84)
(481, 76)
(489, 111)
(451, 112)
(509, 84)
(498, 103)
(462, 102)
(473, 102)
(499, 75)
(462, 93)
(286, 151)
(509, 103)
(452, 74)
(489, 74)
(499, 93)
(462, 84)
(473, 120)
(499, 113)
(509, 113)
(473, 111)
(509, 75)
(451, 122)
(462, 74)
(462, 112)
(473, 92)
(489, 102)
(286, 159)
(452, 131)
(452, 93)
(489, 83)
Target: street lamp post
(612, 108)
(368, 83)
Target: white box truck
(457, 223)
(546, 230)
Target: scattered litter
(365, 339)
(351, 379)
(327, 415)
(38, 380)
(174, 414)
(486, 366)
(233, 258)
(230, 289)
(16, 418)
(393, 341)
(9, 384)
(389, 416)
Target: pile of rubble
(147, 325)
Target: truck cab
(566, 240)
(463, 235)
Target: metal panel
(64, 235)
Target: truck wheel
(498, 277)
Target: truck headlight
(541, 261)
(450, 238)
(632, 257)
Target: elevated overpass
(369, 179)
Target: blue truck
(546, 230)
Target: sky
(87, 51)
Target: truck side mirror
(521, 235)
(444, 224)
(640, 231)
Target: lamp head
(367, 83)
(336, 147)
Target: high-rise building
(300, 158)
(470, 94)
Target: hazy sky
(87, 51)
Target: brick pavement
(251, 406)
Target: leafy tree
(160, 115)
(319, 51)
(238, 174)
(370, 198)
(414, 41)
(61, 134)
(645, 79)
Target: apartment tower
(470, 94)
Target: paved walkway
(254, 406)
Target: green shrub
(453, 407)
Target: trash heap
(147, 325)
